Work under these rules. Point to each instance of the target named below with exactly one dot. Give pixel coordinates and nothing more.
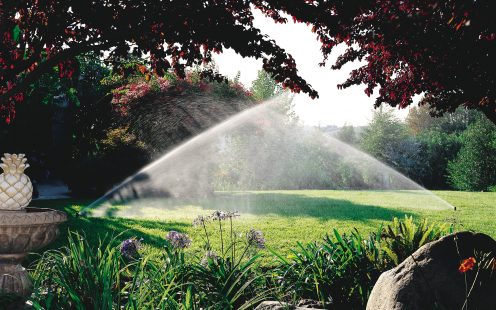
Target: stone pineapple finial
(14, 163)
(16, 189)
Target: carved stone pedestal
(14, 279)
(22, 232)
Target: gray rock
(429, 279)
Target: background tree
(419, 120)
(387, 139)
(437, 148)
(383, 135)
(474, 168)
(440, 140)
(347, 134)
(264, 87)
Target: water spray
(258, 149)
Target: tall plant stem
(242, 256)
(221, 238)
(233, 243)
(465, 304)
(209, 246)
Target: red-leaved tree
(37, 35)
(442, 49)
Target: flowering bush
(126, 94)
(142, 85)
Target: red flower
(467, 264)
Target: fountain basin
(22, 232)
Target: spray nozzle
(82, 213)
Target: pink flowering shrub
(130, 93)
(123, 95)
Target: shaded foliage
(441, 49)
(37, 36)
(70, 117)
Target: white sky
(333, 107)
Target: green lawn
(285, 217)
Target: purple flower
(178, 240)
(233, 214)
(201, 220)
(130, 247)
(219, 215)
(255, 238)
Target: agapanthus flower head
(232, 214)
(219, 215)
(467, 264)
(255, 238)
(201, 220)
(209, 255)
(178, 240)
(130, 248)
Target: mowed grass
(285, 217)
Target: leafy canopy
(442, 49)
(172, 35)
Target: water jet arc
(264, 139)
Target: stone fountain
(22, 229)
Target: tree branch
(45, 66)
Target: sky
(334, 106)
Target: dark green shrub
(78, 276)
(344, 268)
(474, 168)
(341, 270)
(226, 284)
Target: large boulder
(430, 279)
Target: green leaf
(16, 32)
(72, 94)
